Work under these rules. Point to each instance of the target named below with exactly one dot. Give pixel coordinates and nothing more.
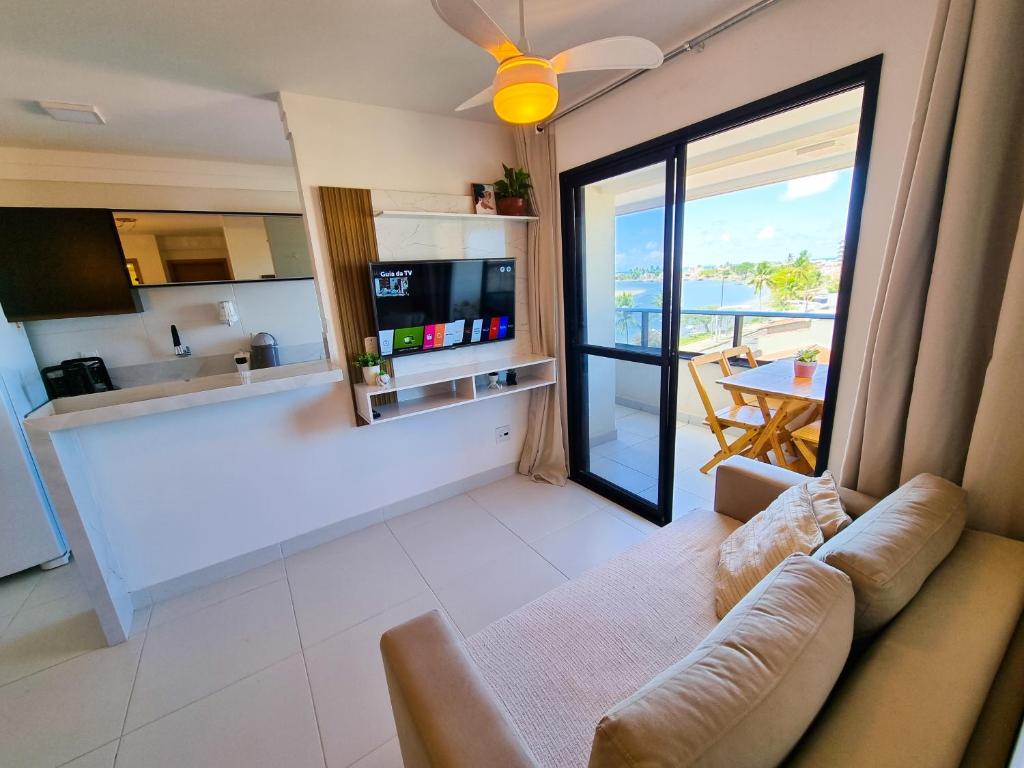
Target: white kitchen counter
(85, 410)
(54, 435)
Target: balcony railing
(769, 334)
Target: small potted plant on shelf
(805, 363)
(369, 362)
(512, 192)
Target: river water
(697, 294)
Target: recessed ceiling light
(72, 113)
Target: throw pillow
(798, 521)
(892, 548)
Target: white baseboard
(188, 582)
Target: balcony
(624, 399)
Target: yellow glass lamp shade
(525, 90)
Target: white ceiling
(815, 138)
(196, 78)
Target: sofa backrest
(914, 695)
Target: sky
(759, 224)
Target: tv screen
(62, 262)
(424, 306)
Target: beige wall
(248, 247)
(783, 46)
(143, 248)
(602, 373)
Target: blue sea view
(697, 294)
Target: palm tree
(759, 278)
(724, 272)
(624, 301)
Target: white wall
(343, 144)
(783, 46)
(53, 178)
(287, 309)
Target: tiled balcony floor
(631, 460)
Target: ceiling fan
(525, 87)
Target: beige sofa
(941, 685)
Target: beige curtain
(941, 383)
(545, 448)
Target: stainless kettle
(265, 353)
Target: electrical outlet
(503, 434)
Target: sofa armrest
(743, 487)
(445, 712)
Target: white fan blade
(609, 53)
(484, 97)
(472, 22)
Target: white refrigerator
(29, 532)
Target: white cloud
(766, 233)
(725, 237)
(806, 186)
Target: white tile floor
(280, 666)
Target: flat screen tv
(62, 262)
(426, 306)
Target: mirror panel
(172, 248)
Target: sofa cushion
(799, 520)
(890, 550)
(748, 692)
(561, 661)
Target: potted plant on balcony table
(805, 363)
(512, 192)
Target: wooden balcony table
(795, 397)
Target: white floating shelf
(450, 387)
(446, 215)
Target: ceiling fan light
(525, 90)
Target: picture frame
(484, 200)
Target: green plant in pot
(369, 363)
(513, 192)
(805, 363)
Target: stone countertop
(101, 407)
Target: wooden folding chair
(741, 414)
(806, 441)
(746, 352)
(768, 405)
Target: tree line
(797, 279)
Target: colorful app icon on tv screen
(408, 338)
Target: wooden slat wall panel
(352, 244)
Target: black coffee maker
(78, 376)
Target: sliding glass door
(734, 235)
(620, 352)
